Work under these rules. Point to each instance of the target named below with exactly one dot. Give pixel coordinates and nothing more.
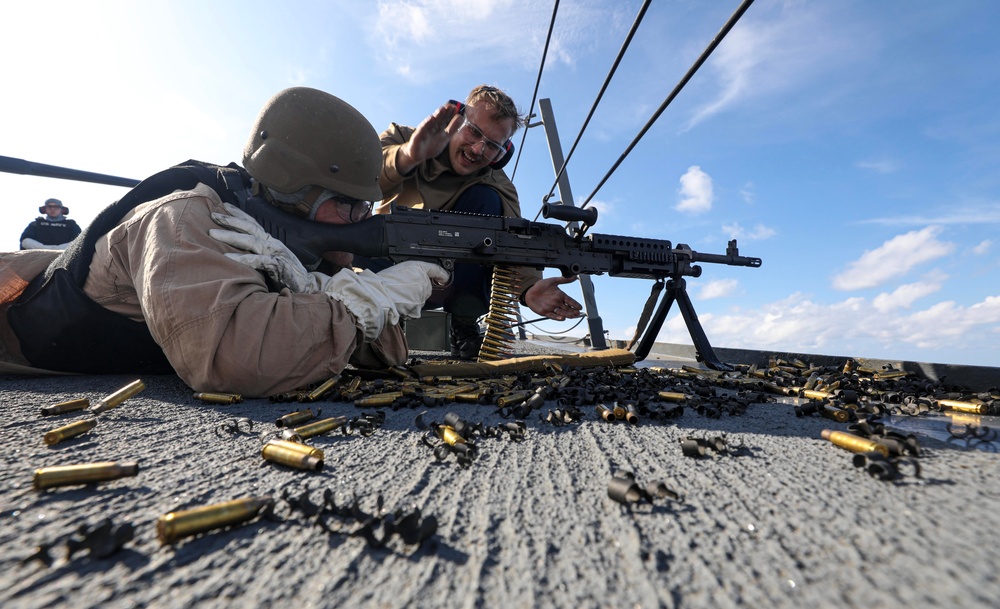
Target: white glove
(267, 253)
(376, 300)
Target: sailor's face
(477, 142)
(330, 212)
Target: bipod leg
(701, 345)
(649, 336)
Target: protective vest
(61, 328)
(51, 232)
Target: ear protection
(508, 146)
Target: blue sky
(853, 146)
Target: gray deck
(529, 524)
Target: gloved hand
(384, 298)
(267, 253)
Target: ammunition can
(320, 427)
(218, 398)
(69, 431)
(66, 475)
(294, 418)
(118, 397)
(279, 451)
(177, 525)
(967, 407)
(63, 407)
(605, 413)
(854, 443)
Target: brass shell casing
(671, 396)
(815, 395)
(218, 398)
(605, 413)
(119, 396)
(63, 407)
(837, 414)
(66, 475)
(299, 447)
(324, 387)
(177, 525)
(449, 435)
(279, 451)
(631, 415)
(320, 427)
(69, 431)
(294, 418)
(854, 443)
(969, 407)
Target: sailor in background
(53, 231)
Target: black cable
(534, 95)
(694, 68)
(607, 81)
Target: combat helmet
(305, 137)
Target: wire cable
(534, 95)
(677, 89)
(604, 87)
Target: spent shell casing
(605, 413)
(448, 434)
(381, 399)
(837, 414)
(816, 395)
(218, 398)
(854, 443)
(672, 396)
(63, 407)
(323, 389)
(69, 431)
(299, 447)
(66, 475)
(294, 418)
(177, 525)
(969, 407)
(118, 397)
(320, 427)
(618, 410)
(279, 451)
(630, 414)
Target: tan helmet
(306, 137)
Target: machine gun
(445, 238)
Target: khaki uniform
(219, 326)
(434, 186)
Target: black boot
(466, 338)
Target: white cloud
(759, 232)
(772, 52)
(905, 295)
(695, 191)
(853, 327)
(983, 247)
(748, 194)
(952, 214)
(892, 259)
(718, 288)
(879, 166)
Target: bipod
(675, 290)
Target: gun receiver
(446, 237)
